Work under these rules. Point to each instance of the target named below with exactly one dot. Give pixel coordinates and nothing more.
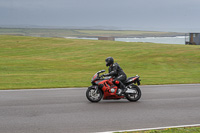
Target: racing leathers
(119, 76)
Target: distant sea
(163, 40)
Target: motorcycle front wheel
(93, 94)
(133, 97)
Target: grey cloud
(121, 13)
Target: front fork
(96, 88)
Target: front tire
(93, 94)
(135, 96)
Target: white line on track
(173, 85)
(156, 128)
(48, 89)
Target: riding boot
(122, 86)
(123, 89)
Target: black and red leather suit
(119, 76)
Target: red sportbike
(103, 87)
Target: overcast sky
(124, 14)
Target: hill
(39, 32)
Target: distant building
(106, 38)
(194, 39)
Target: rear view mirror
(102, 71)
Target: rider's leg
(119, 82)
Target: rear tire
(94, 95)
(136, 96)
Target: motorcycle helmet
(109, 61)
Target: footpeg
(119, 91)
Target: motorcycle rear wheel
(136, 96)
(93, 95)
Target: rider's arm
(113, 72)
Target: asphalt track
(67, 110)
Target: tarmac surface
(67, 110)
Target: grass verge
(171, 130)
(33, 62)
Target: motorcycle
(103, 87)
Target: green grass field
(172, 130)
(33, 62)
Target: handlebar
(105, 77)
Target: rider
(116, 71)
